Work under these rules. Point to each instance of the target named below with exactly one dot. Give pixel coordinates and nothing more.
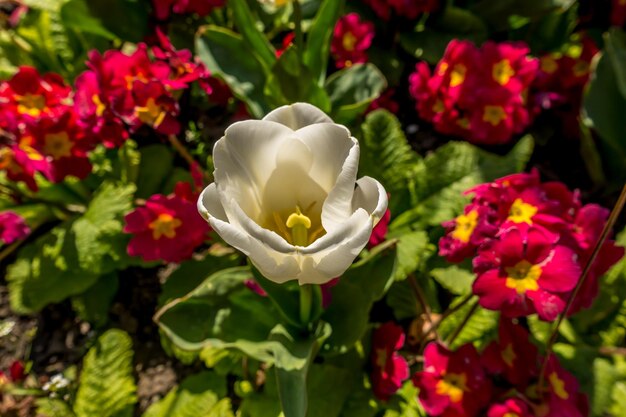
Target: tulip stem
(306, 303)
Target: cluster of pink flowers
(163, 8)
(476, 93)
(529, 242)
(502, 381)
(409, 9)
(168, 227)
(13, 227)
(49, 128)
(351, 39)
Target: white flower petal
(370, 195)
(298, 115)
(209, 204)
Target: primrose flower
(389, 368)
(286, 195)
(351, 38)
(12, 227)
(513, 407)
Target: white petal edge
(298, 115)
(370, 195)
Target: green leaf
(228, 56)
(619, 399)
(51, 407)
(197, 395)
(154, 169)
(351, 90)
(76, 14)
(478, 330)
(256, 40)
(604, 379)
(319, 35)
(413, 250)
(133, 27)
(456, 280)
(130, 161)
(93, 304)
(405, 403)
(387, 156)
(500, 14)
(107, 387)
(353, 296)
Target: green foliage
(320, 33)
(93, 304)
(198, 395)
(107, 387)
(53, 407)
(257, 41)
(454, 279)
(72, 256)
(154, 169)
(482, 325)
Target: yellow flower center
(457, 76)
(443, 67)
(523, 277)
(164, 225)
(521, 212)
(299, 225)
(100, 107)
(463, 122)
(438, 107)
(508, 355)
(26, 146)
(452, 385)
(349, 41)
(381, 357)
(581, 68)
(31, 104)
(549, 65)
(502, 72)
(494, 115)
(58, 145)
(510, 414)
(151, 114)
(558, 386)
(465, 225)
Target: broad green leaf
(456, 280)
(351, 90)
(53, 407)
(615, 45)
(75, 13)
(413, 250)
(93, 305)
(228, 56)
(405, 403)
(133, 27)
(256, 40)
(619, 400)
(387, 156)
(478, 330)
(107, 387)
(154, 169)
(197, 395)
(319, 35)
(359, 287)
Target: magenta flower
(513, 407)
(12, 227)
(467, 232)
(351, 38)
(380, 230)
(389, 368)
(525, 273)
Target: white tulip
(286, 195)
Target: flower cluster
(163, 8)
(530, 241)
(167, 228)
(12, 227)
(476, 93)
(351, 39)
(409, 9)
(503, 381)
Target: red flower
(163, 8)
(153, 106)
(513, 407)
(286, 43)
(618, 13)
(21, 161)
(351, 38)
(467, 232)
(508, 65)
(409, 9)
(31, 96)
(513, 356)
(168, 228)
(385, 101)
(528, 274)
(389, 368)
(17, 371)
(452, 384)
(183, 68)
(380, 230)
(12, 227)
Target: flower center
(299, 225)
(465, 225)
(349, 41)
(511, 414)
(549, 65)
(502, 72)
(381, 358)
(452, 385)
(457, 76)
(164, 225)
(508, 355)
(494, 115)
(100, 107)
(58, 145)
(151, 114)
(521, 212)
(26, 145)
(558, 385)
(31, 104)
(523, 277)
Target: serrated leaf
(618, 408)
(51, 407)
(604, 379)
(412, 252)
(197, 395)
(107, 387)
(456, 280)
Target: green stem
(297, 20)
(306, 303)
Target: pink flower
(452, 383)
(512, 407)
(467, 232)
(163, 8)
(167, 228)
(380, 230)
(409, 9)
(351, 39)
(525, 273)
(12, 227)
(389, 368)
(385, 101)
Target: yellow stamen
(349, 41)
(494, 115)
(457, 76)
(508, 355)
(521, 212)
(151, 114)
(503, 72)
(164, 225)
(381, 358)
(523, 277)
(299, 225)
(58, 145)
(31, 104)
(100, 107)
(452, 385)
(558, 386)
(465, 225)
